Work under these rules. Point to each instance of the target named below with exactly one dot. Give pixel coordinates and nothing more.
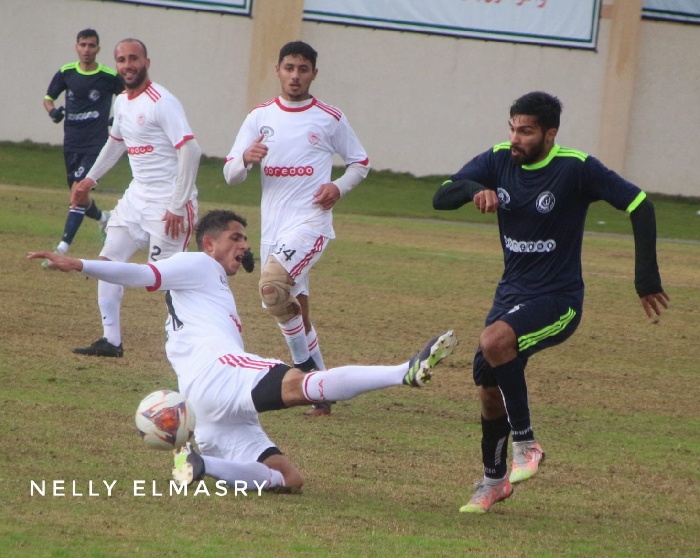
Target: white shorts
(297, 251)
(226, 422)
(134, 225)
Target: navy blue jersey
(541, 214)
(88, 102)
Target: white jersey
(203, 325)
(302, 139)
(153, 126)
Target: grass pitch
(615, 407)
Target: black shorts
(538, 323)
(77, 165)
(267, 394)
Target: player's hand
(174, 225)
(80, 192)
(248, 261)
(327, 195)
(486, 201)
(652, 303)
(57, 261)
(56, 114)
(256, 152)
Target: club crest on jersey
(503, 197)
(267, 132)
(94, 95)
(141, 119)
(545, 202)
(313, 138)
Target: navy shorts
(78, 165)
(538, 323)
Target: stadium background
(421, 104)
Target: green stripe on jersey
(635, 203)
(531, 339)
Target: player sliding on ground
(226, 386)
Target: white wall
(421, 104)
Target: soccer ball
(165, 420)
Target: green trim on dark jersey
(531, 339)
(100, 68)
(635, 203)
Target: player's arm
(56, 87)
(647, 279)
(248, 148)
(453, 194)
(110, 153)
(329, 193)
(119, 273)
(188, 156)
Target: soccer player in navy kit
(540, 192)
(89, 87)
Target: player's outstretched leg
(420, 367)
(188, 467)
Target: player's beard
(527, 158)
(137, 80)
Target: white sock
(346, 382)
(249, 473)
(295, 336)
(109, 299)
(62, 247)
(315, 348)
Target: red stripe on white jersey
(179, 144)
(247, 362)
(152, 93)
(334, 112)
(190, 219)
(299, 268)
(262, 105)
(158, 279)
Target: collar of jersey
(76, 66)
(295, 106)
(544, 162)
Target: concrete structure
(421, 104)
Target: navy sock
(494, 446)
(93, 211)
(73, 222)
(511, 381)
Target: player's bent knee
(275, 291)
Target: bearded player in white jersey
(294, 138)
(227, 386)
(158, 211)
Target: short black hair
(298, 48)
(86, 34)
(215, 222)
(543, 106)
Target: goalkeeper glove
(56, 114)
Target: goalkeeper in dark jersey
(89, 87)
(540, 192)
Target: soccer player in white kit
(294, 138)
(226, 386)
(158, 211)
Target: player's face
(295, 74)
(87, 49)
(132, 64)
(230, 246)
(529, 143)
